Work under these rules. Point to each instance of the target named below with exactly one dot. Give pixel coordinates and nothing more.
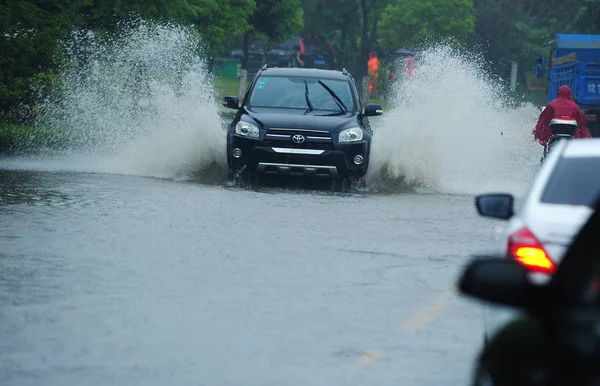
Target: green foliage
(519, 30)
(277, 19)
(30, 30)
(273, 20)
(370, 16)
(21, 138)
(505, 30)
(225, 87)
(216, 20)
(331, 18)
(104, 13)
(406, 22)
(587, 18)
(339, 22)
(352, 26)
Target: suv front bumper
(332, 163)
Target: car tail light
(527, 250)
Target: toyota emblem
(298, 138)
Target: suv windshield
(290, 92)
(574, 181)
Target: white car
(541, 228)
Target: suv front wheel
(347, 185)
(340, 185)
(242, 178)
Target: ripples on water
(29, 188)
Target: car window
(574, 181)
(289, 92)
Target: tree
(518, 30)
(588, 17)
(96, 14)
(30, 30)
(339, 22)
(352, 26)
(370, 12)
(409, 22)
(217, 20)
(214, 19)
(275, 19)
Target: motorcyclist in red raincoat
(563, 105)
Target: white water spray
(141, 102)
(450, 130)
(137, 102)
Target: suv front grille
(313, 139)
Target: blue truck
(575, 62)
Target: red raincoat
(563, 105)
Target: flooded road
(118, 280)
(111, 277)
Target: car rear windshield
(289, 92)
(574, 181)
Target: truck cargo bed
(584, 80)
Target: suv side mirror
(497, 280)
(373, 110)
(540, 67)
(495, 205)
(231, 102)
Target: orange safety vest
(373, 67)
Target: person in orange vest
(373, 67)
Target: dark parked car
(556, 339)
(301, 122)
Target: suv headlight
(351, 135)
(246, 129)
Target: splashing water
(450, 130)
(138, 102)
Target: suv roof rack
(344, 71)
(264, 67)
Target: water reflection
(27, 187)
(113, 279)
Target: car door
(575, 283)
(558, 339)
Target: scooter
(561, 128)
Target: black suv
(303, 122)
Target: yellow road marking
(421, 319)
(369, 356)
(430, 312)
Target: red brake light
(527, 250)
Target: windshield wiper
(335, 114)
(336, 98)
(310, 106)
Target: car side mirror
(231, 102)
(373, 110)
(495, 205)
(540, 67)
(497, 280)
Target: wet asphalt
(120, 280)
